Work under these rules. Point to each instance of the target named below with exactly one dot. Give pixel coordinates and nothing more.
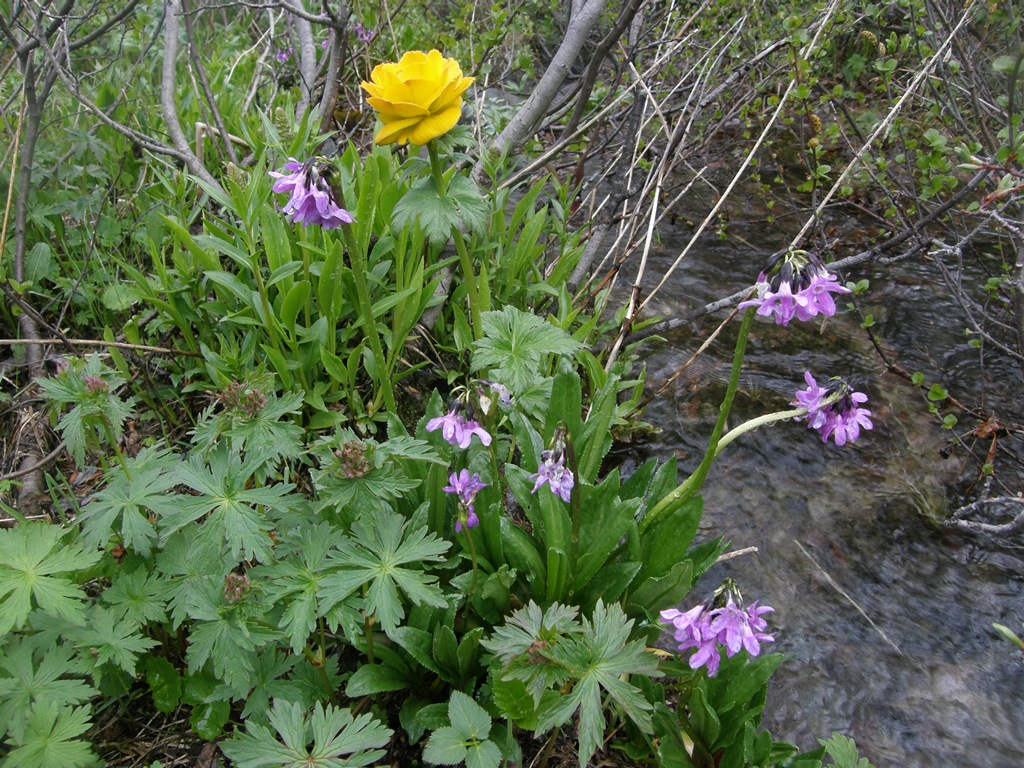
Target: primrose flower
(458, 430)
(418, 98)
(841, 420)
(312, 200)
(466, 487)
(706, 627)
(553, 471)
(363, 35)
(800, 288)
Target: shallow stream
(886, 616)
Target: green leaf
(843, 751)
(473, 208)
(164, 684)
(467, 717)
(445, 747)
(375, 678)
(124, 506)
(50, 739)
(30, 557)
(326, 737)
(139, 597)
(27, 679)
(380, 560)
(110, 640)
(234, 507)
(601, 658)
(424, 205)
(514, 346)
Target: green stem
(368, 632)
(322, 666)
(369, 323)
(472, 555)
(770, 418)
(117, 451)
(693, 483)
(468, 274)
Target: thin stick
(96, 343)
(837, 588)
(38, 465)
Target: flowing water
(886, 616)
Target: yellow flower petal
(397, 110)
(418, 98)
(436, 125)
(394, 131)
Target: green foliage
(843, 751)
(97, 414)
(465, 739)
(36, 565)
(595, 656)
(327, 737)
(515, 344)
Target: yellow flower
(417, 99)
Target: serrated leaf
(110, 640)
(467, 717)
(381, 557)
(326, 737)
(514, 346)
(445, 747)
(50, 739)
(30, 556)
(423, 204)
(27, 679)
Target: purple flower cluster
(466, 487)
(553, 471)
(312, 201)
(802, 289)
(705, 629)
(842, 419)
(363, 34)
(458, 430)
(283, 54)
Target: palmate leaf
(50, 739)
(125, 504)
(295, 579)
(30, 556)
(222, 481)
(600, 658)
(338, 739)
(108, 639)
(138, 596)
(26, 679)
(193, 568)
(514, 346)
(382, 556)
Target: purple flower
(465, 486)
(704, 628)
(472, 521)
(363, 35)
(312, 201)
(843, 419)
(457, 430)
(802, 288)
(553, 471)
(283, 55)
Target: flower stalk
(693, 483)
